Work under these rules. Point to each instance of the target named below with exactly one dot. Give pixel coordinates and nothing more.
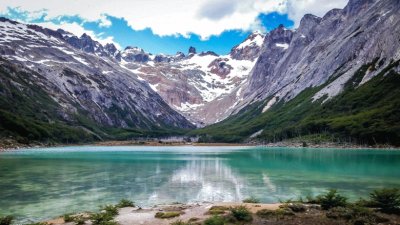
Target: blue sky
(166, 26)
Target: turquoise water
(43, 183)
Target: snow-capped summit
(250, 48)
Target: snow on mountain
(85, 77)
(190, 83)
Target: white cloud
(177, 17)
(297, 9)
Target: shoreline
(186, 212)
(224, 213)
(13, 145)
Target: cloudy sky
(166, 26)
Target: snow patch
(270, 104)
(258, 40)
(282, 45)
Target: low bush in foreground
(215, 220)
(217, 210)
(387, 200)
(279, 213)
(241, 213)
(68, 218)
(125, 203)
(102, 218)
(6, 220)
(179, 222)
(251, 200)
(110, 209)
(166, 215)
(332, 199)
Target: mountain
(194, 83)
(53, 77)
(335, 77)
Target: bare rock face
(332, 47)
(220, 67)
(135, 54)
(192, 50)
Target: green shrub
(110, 209)
(387, 200)
(68, 218)
(6, 220)
(280, 213)
(79, 220)
(241, 213)
(332, 199)
(215, 220)
(216, 210)
(251, 200)
(125, 203)
(102, 218)
(179, 222)
(166, 215)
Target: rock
(192, 50)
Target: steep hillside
(337, 76)
(77, 85)
(368, 114)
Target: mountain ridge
(309, 68)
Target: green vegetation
(77, 219)
(110, 209)
(166, 215)
(102, 218)
(387, 200)
(241, 213)
(105, 216)
(251, 200)
(279, 213)
(332, 199)
(68, 218)
(125, 203)
(180, 222)
(217, 210)
(215, 220)
(29, 115)
(366, 114)
(6, 220)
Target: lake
(42, 183)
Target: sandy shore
(260, 214)
(193, 212)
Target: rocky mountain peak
(309, 21)
(208, 53)
(192, 50)
(250, 48)
(135, 54)
(279, 35)
(86, 37)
